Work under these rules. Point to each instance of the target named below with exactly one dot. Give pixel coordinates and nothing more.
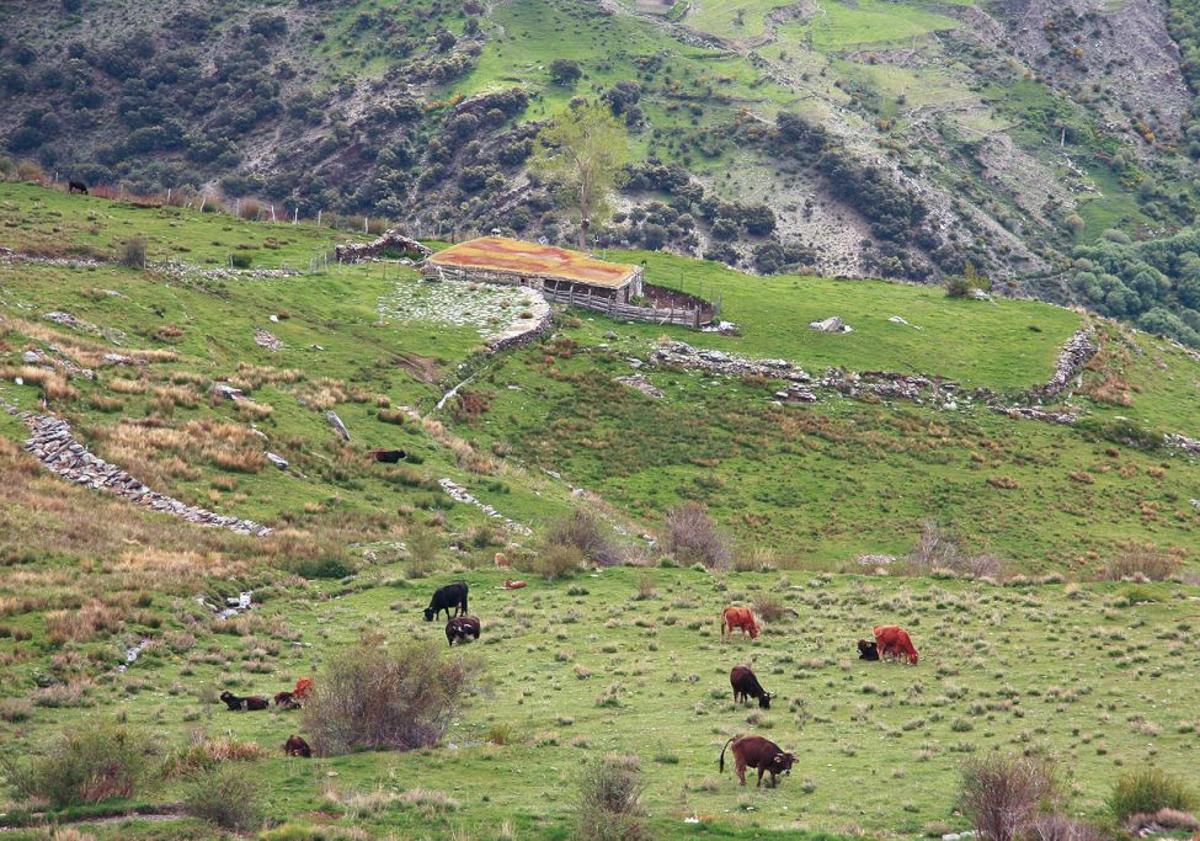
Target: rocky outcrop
(391, 240)
(53, 444)
(1182, 442)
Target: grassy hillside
(1043, 658)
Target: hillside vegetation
(903, 139)
(1018, 552)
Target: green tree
(582, 151)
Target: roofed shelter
(556, 271)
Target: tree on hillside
(582, 151)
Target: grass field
(627, 659)
(1094, 676)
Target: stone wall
(390, 240)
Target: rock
(277, 460)
(267, 340)
(640, 383)
(833, 324)
(980, 295)
(31, 357)
(337, 424)
(390, 240)
(610, 335)
(895, 319)
(227, 391)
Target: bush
(1002, 795)
(610, 792)
(1140, 562)
(1060, 828)
(133, 253)
(240, 261)
(226, 796)
(555, 561)
(374, 698)
(589, 534)
(936, 549)
(86, 765)
(423, 545)
(693, 537)
(1148, 790)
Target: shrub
(1002, 794)
(86, 765)
(423, 544)
(240, 261)
(203, 753)
(693, 537)
(226, 796)
(936, 549)
(589, 534)
(1060, 828)
(1148, 790)
(372, 697)
(646, 588)
(610, 792)
(1140, 562)
(769, 608)
(555, 561)
(15, 709)
(133, 253)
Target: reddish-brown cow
(739, 617)
(757, 752)
(893, 641)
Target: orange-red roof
(499, 254)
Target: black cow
(237, 704)
(296, 746)
(451, 596)
(461, 627)
(868, 650)
(760, 753)
(77, 187)
(746, 686)
(389, 456)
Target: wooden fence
(683, 316)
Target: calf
(502, 562)
(739, 617)
(746, 686)
(237, 704)
(513, 584)
(295, 746)
(451, 596)
(760, 753)
(868, 650)
(77, 187)
(287, 701)
(460, 628)
(894, 641)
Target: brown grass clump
(145, 447)
(609, 807)
(53, 384)
(205, 752)
(253, 410)
(121, 385)
(94, 619)
(177, 395)
(769, 608)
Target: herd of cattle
(763, 755)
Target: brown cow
(461, 628)
(892, 640)
(739, 617)
(503, 562)
(760, 753)
(746, 686)
(296, 746)
(287, 701)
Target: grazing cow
(868, 650)
(451, 596)
(739, 617)
(760, 753)
(237, 704)
(503, 562)
(389, 456)
(893, 641)
(77, 187)
(746, 686)
(460, 628)
(513, 584)
(296, 746)
(303, 688)
(287, 701)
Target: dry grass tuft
(53, 384)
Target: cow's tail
(721, 761)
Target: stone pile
(1076, 353)
(912, 387)
(718, 362)
(1030, 413)
(57, 449)
(189, 271)
(640, 383)
(390, 240)
(833, 324)
(265, 339)
(1182, 442)
(460, 494)
(65, 319)
(59, 360)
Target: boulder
(833, 324)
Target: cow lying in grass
(237, 704)
(461, 628)
(296, 746)
(451, 596)
(868, 650)
(287, 701)
(757, 752)
(746, 686)
(739, 617)
(893, 641)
